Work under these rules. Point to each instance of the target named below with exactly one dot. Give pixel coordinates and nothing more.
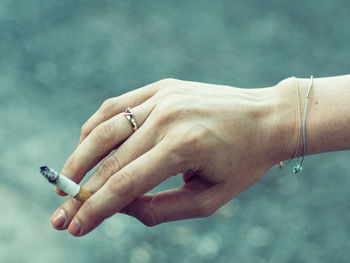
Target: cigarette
(65, 184)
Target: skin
(220, 138)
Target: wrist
(289, 115)
(281, 122)
(327, 117)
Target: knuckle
(197, 134)
(70, 165)
(169, 87)
(167, 103)
(177, 149)
(149, 218)
(110, 165)
(107, 105)
(122, 184)
(89, 212)
(166, 108)
(105, 131)
(195, 137)
(185, 143)
(85, 129)
(165, 93)
(167, 81)
(179, 152)
(161, 113)
(172, 88)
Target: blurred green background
(60, 59)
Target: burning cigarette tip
(65, 184)
(50, 174)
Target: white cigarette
(65, 184)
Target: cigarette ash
(50, 174)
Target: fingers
(102, 120)
(114, 106)
(171, 205)
(131, 149)
(63, 215)
(101, 141)
(133, 180)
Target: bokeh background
(60, 59)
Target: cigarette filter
(65, 184)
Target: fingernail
(59, 218)
(59, 191)
(74, 227)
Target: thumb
(171, 205)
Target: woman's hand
(222, 139)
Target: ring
(130, 116)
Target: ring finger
(114, 106)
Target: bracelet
(299, 167)
(298, 119)
(296, 169)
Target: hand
(219, 137)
